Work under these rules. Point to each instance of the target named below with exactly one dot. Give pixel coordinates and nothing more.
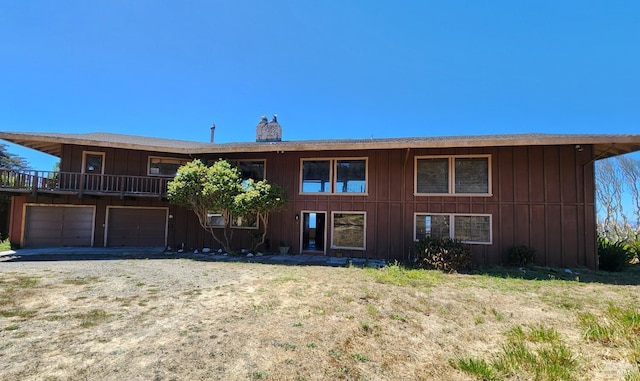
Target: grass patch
(533, 352)
(5, 245)
(18, 313)
(399, 275)
(93, 318)
(476, 367)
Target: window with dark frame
(468, 228)
(165, 166)
(453, 175)
(334, 176)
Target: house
(355, 197)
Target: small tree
(205, 189)
(260, 198)
(219, 188)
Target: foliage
(11, 161)
(219, 188)
(442, 254)
(5, 245)
(615, 178)
(614, 256)
(259, 198)
(522, 255)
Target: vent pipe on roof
(213, 130)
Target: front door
(314, 232)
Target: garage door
(50, 226)
(137, 227)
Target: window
(334, 176)
(165, 166)
(92, 162)
(251, 169)
(215, 219)
(348, 230)
(453, 175)
(468, 228)
(245, 222)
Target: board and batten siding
(538, 199)
(542, 196)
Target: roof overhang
(51, 143)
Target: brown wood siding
(538, 199)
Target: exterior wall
(542, 196)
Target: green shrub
(614, 256)
(442, 254)
(522, 255)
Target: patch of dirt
(171, 319)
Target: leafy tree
(616, 179)
(13, 162)
(259, 198)
(219, 188)
(9, 160)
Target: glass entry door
(314, 232)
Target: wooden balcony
(46, 182)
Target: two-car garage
(74, 225)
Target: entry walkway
(111, 253)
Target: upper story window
(251, 169)
(165, 166)
(344, 175)
(93, 162)
(453, 175)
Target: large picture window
(165, 166)
(453, 175)
(468, 228)
(348, 230)
(251, 169)
(347, 175)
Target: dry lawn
(181, 319)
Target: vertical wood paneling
(521, 174)
(506, 234)
(382, 231)
(539, 232)
(522, 224)
(554, 235)
(552, 174)
(381, 181)
(568, 172)
(569, 235)
(506, 175)
(536, 174)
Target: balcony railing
(35, 182)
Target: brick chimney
(268, 131)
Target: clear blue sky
(329, 69)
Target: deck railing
(81, 183)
